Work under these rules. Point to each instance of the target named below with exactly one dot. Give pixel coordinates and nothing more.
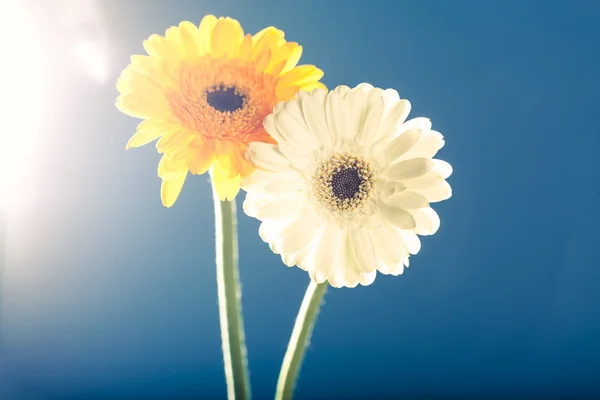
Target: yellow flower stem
(305, 321)
(230, 313)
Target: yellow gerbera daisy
(204, 91)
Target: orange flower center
(223, 99)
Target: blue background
(108, 295)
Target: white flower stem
(305, 322)
(230, 313)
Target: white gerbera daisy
(347, 188)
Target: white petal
(278, 107)
(336, 118)
(294, 131)
(285, 184)
(267, 182)
(397, 216)
(368, 278)
(270, 230)
(267, 156)
(351, 277)
(294, 109)
(390, 96)
(325, 254)
(305, 257)
(420, 123)
(342, 90)
(257, 197)
(301, 95)
(427, 147)
(408, 200)
(259, 178)
(314, 115)
(432, 187)
(320, 95)
(364, 87)
(388, 248)
(409, 169)
(387, 189)
(402, 144)
(442, 168)
(411, 241)
(372, 121)
(427, 221)
(271, 128)
(343, 271)
(392, 269)
(355, 105)
(394, 115)
(373, 95)
(288, 259)
(297, 234)
(299, 159)
(363, 251)
(277, 208)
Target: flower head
(347, 188)
(204, 92)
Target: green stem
(230, 313)
(305, 322)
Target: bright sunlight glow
(22, 100)
(93, 59)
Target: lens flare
(22, 101)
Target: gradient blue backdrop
(111, 296)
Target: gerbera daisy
(204, 91)
(347, 188)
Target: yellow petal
(131, 81)
(258, 35)
(224, 164)
(243, 166)
(190, 37)
(288, 54)
(275, 69)
(173, 39)
(226, 188)
(142, 138)
(263, 61)
(158, 47)
(170, 188)
(151, 104)
(153, 69)
(171, 169)
(284, 93)
(309, 87)
(174, 141)
(157, 124)
(128, 106)
(268, 38)
(246, 49)
(149, 130)
(226, 38)
(144, 64)
(183, 153)
(301, 75)
(202, 159)
(207, 25)
(293, 58)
